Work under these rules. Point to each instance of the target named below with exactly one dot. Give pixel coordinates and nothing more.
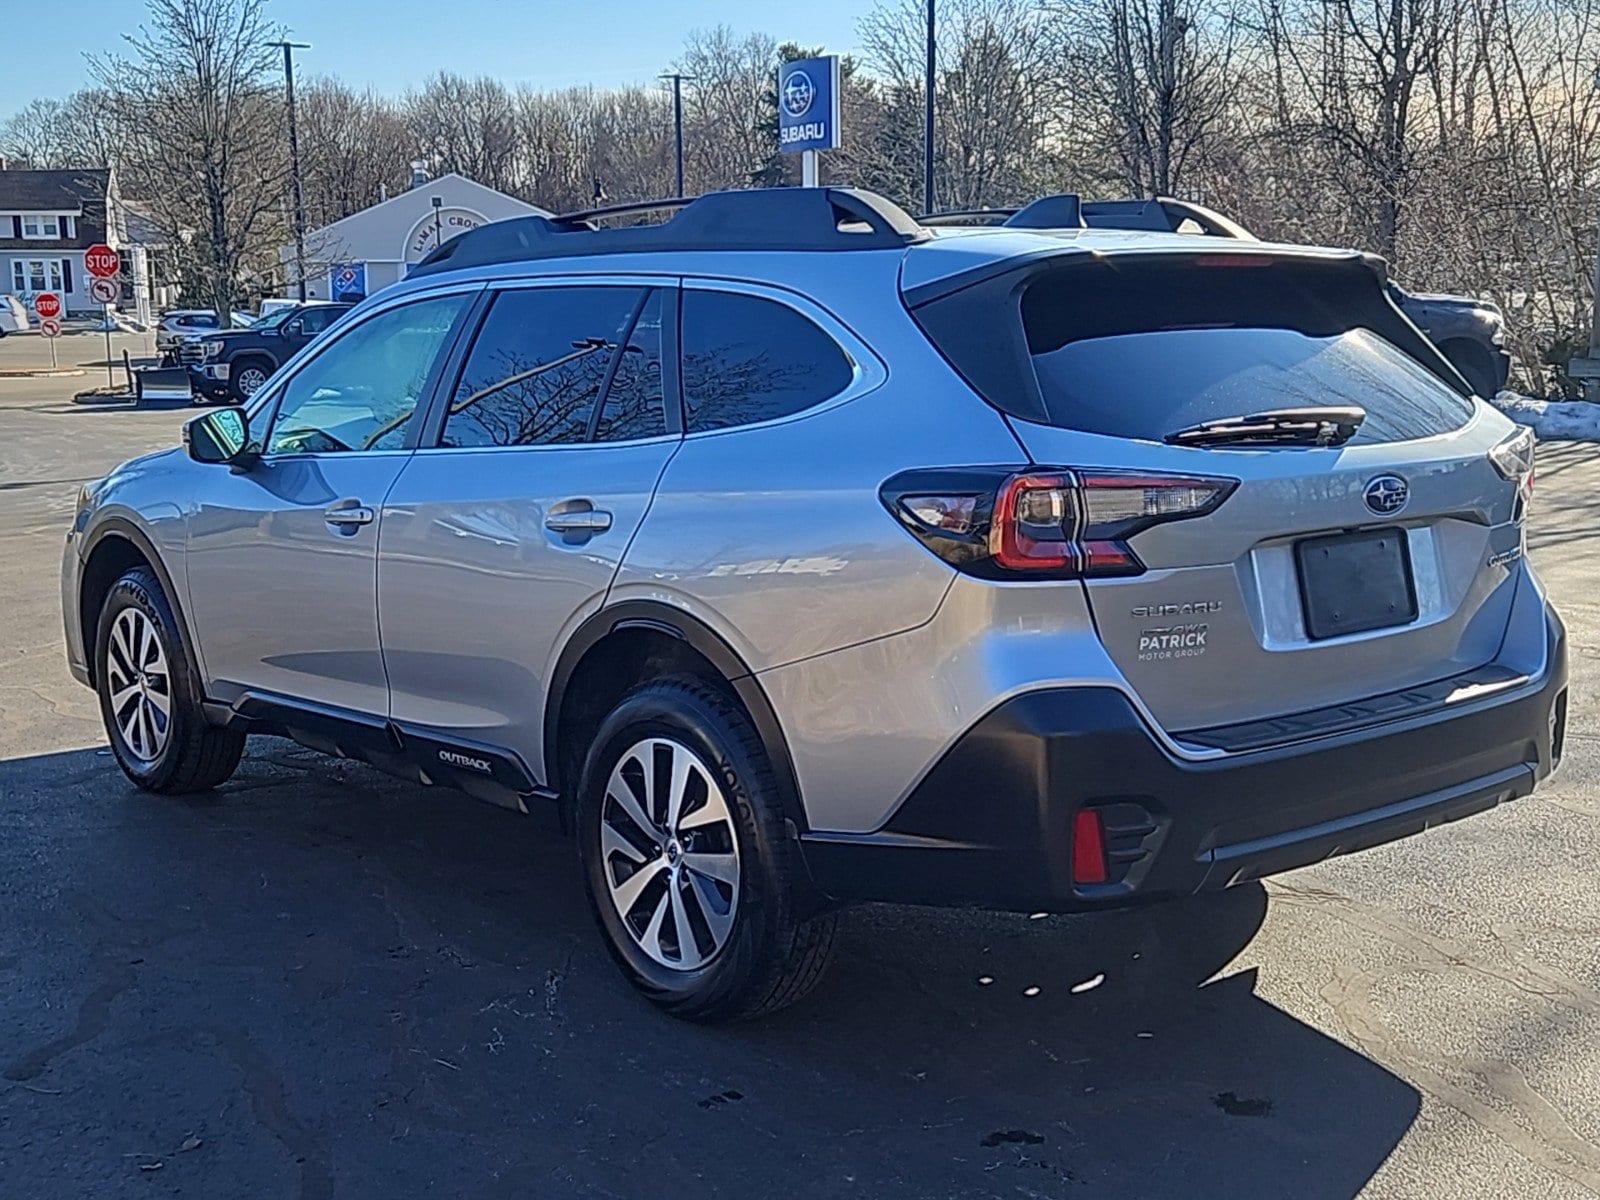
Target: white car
(13, 316)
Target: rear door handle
(584, 520)
(358, 515)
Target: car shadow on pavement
(344, 984)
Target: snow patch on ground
(1553, 420)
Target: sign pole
(53, 363)
(105, 313)
(808, 168)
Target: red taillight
(1079, 521)
(1088, 847)
(999, 522)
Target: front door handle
(357, 515)
(584, 520)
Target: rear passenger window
(746, 359)
(537, 366)
(634, 406)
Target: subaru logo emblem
(798, 93)
(1386, 494)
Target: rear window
(1143, 348)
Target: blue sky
(392, 44)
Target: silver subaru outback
(806, 555)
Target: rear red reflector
(1088, 847)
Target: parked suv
(804, 555)
(232, 365)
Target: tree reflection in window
(634, 407)
(747, 359)
(537, 366)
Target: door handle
(585, 520)
(359, 515)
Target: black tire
(779, 944)
(194, 755)
(234, 393)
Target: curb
(40, 372)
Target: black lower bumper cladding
(991, 823)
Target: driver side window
(362, 391)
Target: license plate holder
(1355, 582)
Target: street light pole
(928, 80)
(677, 120)
(294, 163)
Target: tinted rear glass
(1143, 347)
(1146, 385)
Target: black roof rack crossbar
(965, 216)
(751, 219)
(590, 215)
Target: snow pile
(1553, 420)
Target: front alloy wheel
(140, 684)
(150, 697)
(671, 854)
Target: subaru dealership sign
(808, 104)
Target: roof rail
(1063, 211)
(751, 219)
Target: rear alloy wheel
(150, 698)
(671, 860)
(248, 380)
(694, 875)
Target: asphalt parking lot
(320, 981)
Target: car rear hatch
(1284, 563)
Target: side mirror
(219, 436)
(294, 328)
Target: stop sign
(47, 304)
(101, 261)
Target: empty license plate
(1352, 582)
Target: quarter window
(362, 391)
(539, 363)
(747, 359)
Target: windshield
(275, 320)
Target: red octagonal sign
(101, 261)
(47, 304)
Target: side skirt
(489, 773)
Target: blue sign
(348, 282)
(808, 104)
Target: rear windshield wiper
(1317, 425)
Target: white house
(377, 246)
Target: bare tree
(354, 145)
(467, 126)
(194, 96)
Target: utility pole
(294, 163)
(677, 119)
(929, 79)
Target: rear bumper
(991, 823)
